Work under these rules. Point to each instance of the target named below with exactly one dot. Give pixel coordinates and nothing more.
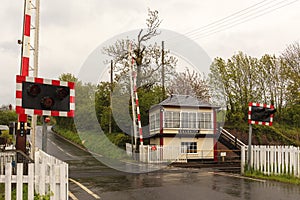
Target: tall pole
(36, 38)
(249, 146)
(138, 109)
(24, 71)
(35, 70)
(44, 134)
(163, 69)
(130, 62)
(110, 95)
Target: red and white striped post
(26, 39)
(137, 108)
(21, 138)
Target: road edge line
(72, 196)
(238, 176)
(85, 189)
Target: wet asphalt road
(166, 184)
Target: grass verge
(285, 178)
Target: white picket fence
(6, 157)
(47, 175)
(275, 160)
(160, 154)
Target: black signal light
(47, 103)
(33, 90)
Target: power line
(243, 20)
(242, 16)
(228, 18)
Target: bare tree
(147, 57)
(190, 83)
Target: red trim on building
(161, 125)
(215, 139)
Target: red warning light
(33, 90)
(47, 119)
(47, 102)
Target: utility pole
(44, 135)
(249, 147)
(163, 69)
(110, 95)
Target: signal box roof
(184, 101)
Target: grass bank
(109, 145)
(285, 178)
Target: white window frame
(154, 121)
(202, 120)
(185, 147)
(169, 122)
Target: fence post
(272, 159)
(269, 163)
(286, 159)
(19, 181)
(31, 181)
(63, 192)
(243, 160)
(42, 178)
(263, 158)
(2, 165)
(291, 163)
(279, 159)
(8, 181)
(298, 163)
(52, 181)
(295, 161)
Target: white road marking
(72, 196)
(85, 189)
(237, 176)
(61, 149)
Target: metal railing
(231, 138)
(13, 157)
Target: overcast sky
(71, 29)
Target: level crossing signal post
(44, 97)
(261, 114)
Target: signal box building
(185, 123)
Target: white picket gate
(273, 159)
(47, 175)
